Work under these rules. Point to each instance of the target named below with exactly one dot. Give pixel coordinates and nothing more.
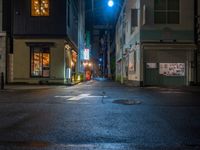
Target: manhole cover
(127, 102)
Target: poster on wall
(172, 69)
(151, 65)
(132, 62)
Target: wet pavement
(86, 116)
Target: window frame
(167, 11)
(31, 10)
(42, 50)
(134, 15)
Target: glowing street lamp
(110, 3)
(90, 64)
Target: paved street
(87, 116)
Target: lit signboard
(86, 54)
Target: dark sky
(101, 14)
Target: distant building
(2, 42)
(47, 40)
(81, 35)
(155, 43)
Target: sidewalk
(191, 88)
(29, 87)
(182, 88)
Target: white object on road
(79, 97)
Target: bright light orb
(110, 3)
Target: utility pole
(108, 54)
(103, 48)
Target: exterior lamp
(110, 3)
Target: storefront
(74, 65)
(168, 65)
(38, 61)
(71, 57)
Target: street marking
(79, 97)
(63, 96)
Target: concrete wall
(2, 53)
(182, 32)
(119, 50)
(1, 15)
(21, 61)
(132, 38)
(2, 45)
(171, 56)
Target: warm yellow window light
(72, 63)
(39, 7)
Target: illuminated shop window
(39, 7)
(40, 62)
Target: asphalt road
(87, 116)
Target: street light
(110, 3)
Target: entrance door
(151, 74)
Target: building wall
(129, 50)
(2, 44)
(182, 32)
(120, 41)
(198, 50)
(81, 33)
(1, 16)
(159, 35)
(72, 27)
(168, 33)
(26, 25)
(132, 40)
(2, 52)
(21, 61)
(54, 29)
